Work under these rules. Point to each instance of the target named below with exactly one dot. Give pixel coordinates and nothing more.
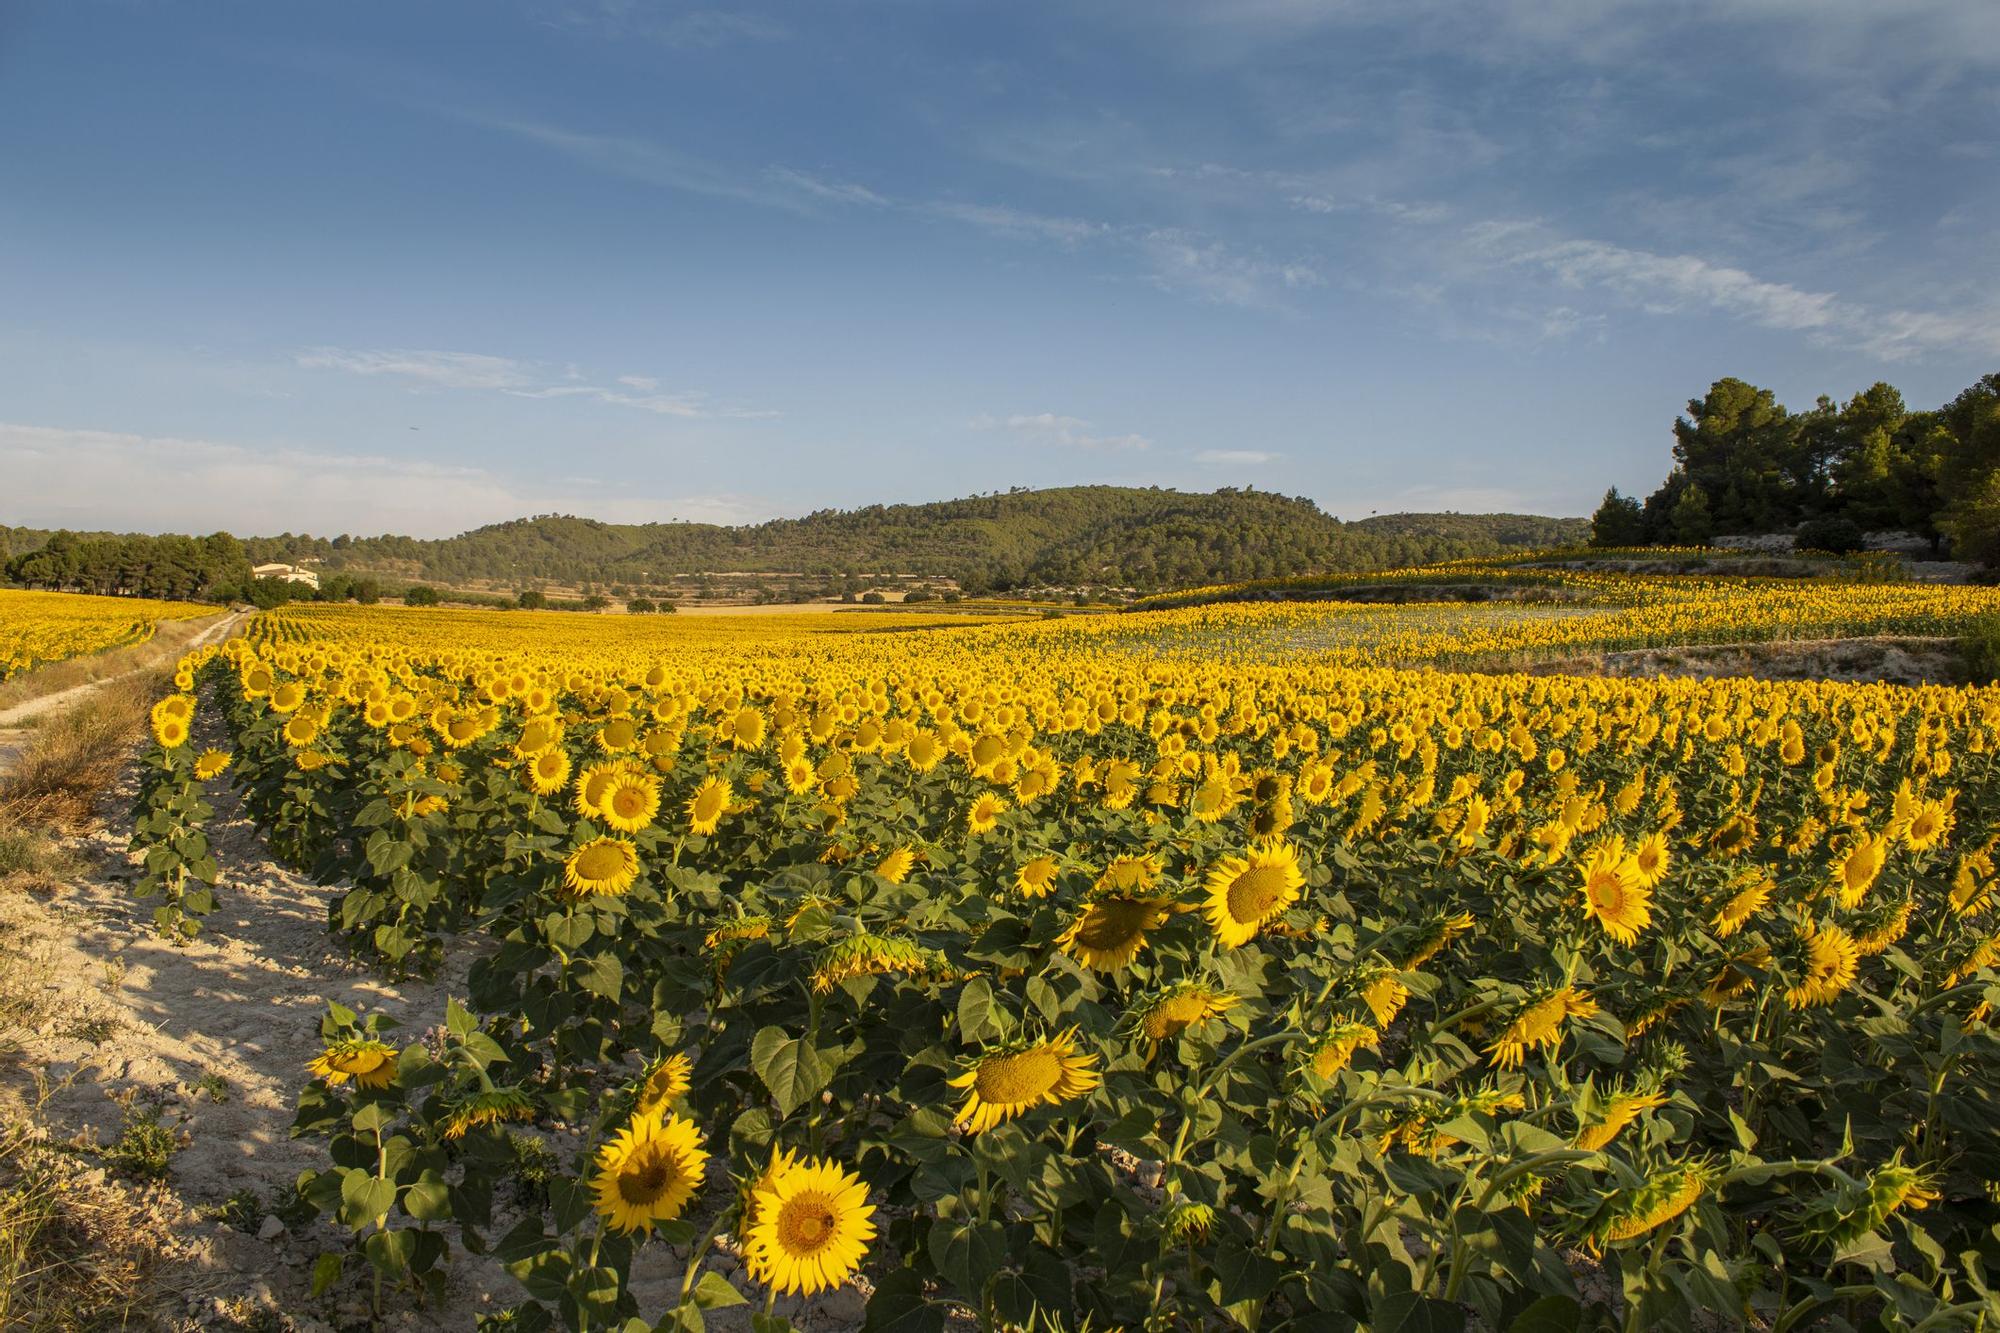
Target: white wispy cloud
(1183, 261)
(1020, 223)
(169, 484)
(1236, 457)
(1670, 284)
(1055, 429)
(519, 379)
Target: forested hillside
(1100, 535)
(1083, 535)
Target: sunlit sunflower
(1003, 1084)
(708, 805)
(648, 1172)
(1830, 964)
(1037, 878)
(807, 1226)
(605, 866)
(629, 802)
(1652, 859)
(370, 1063)
(211, 763)
(1856, 871)
(547, 772)
(1612, 894)
(1745, 903)
(985, 813)
(1244, 892)
(895, 867)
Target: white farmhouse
(289, 573)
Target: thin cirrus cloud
(1052, 428)
(143, 483)
(1236, 457)
(519, 379)
(1673, 284)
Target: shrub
(1981, 648)
(421, 594)
(1834, 535)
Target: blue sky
(419, 266)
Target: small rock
(844, 1304)
(272, 1228)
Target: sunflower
(1830, 964)
(1003, 1084)
(895, 867)
(1658, 1199)
(666, 1081)
(1857, 870)
(1652, 859)
(1745, 903)
(1618, 1110)
(547, 772)
(170, 731)
(708, 805)
(370, 1063)
(492, 1106)
(1929, 826)
(1185, 1222)
(1037, 878)
(1612, 894)
(1244, 892)
(806, 1226)
(1173, 1011)
(867, 955)
(1109, 933)
(629, 802)
(985, 813)
(211, 763)
(648, 1172)
(1847, 1213)
(604, 866)
(1538, 1025)
(1332, 1051)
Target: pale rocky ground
(134, 1020)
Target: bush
(1834, 535)
(531, 600)
(421, 594)
(919, 595)
(1981, 648)
(873, 599)
(640, 606)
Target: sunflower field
(1222, 967)
(41, 627)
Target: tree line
(1743, 464)
(1096, 536)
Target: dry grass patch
(77, 1249)
(54, 783)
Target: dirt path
(210, 1041)
(11, 718)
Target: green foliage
(1872, 463)
(1617, 522)
(1981, 647)
(1098, 535)
(421, 594)
(144, 1148)
(1834, 535)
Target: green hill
(1098, 535)
(1146, 538)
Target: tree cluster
(1744, 464)
(175, 568)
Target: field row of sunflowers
(37, 628)
(1189, 969)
